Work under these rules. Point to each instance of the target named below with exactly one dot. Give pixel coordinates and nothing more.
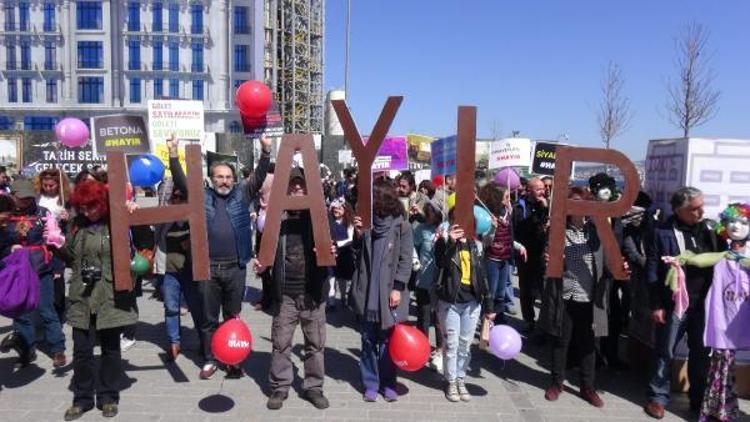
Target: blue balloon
(146, 170)
(482, 220)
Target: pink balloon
(507, 177)
(505, 342)
(72, 132)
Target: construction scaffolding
(294, 61)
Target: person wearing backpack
(25, 228)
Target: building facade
(84, 58)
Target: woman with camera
(96, 311)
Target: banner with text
(444, 156)
(392, 155)
(41, 154)
(511, 152)
(120, 132)
(543, 161)
(183, 118)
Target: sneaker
(74, 412)
(463, 393)
(9, 342)
(590, 395)
(126, 343)
(208, 371)
(317, 398)
(276, 400)
(390, 394)
(553, 392)
(451, 392)
(109, 410)
(234, 372)
(370, 395)
(59, 360)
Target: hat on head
(23, 188)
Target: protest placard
(119, 132)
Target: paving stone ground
(172, 392)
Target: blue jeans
(501, 287)
(24, 324)
(173, 287)
(377, 369)
(667, 337)
(459, 324)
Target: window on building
(26, 89)
(7, 123)
(134, 55)
(39, 123)
(10, 55)
(238, 82)
(90, 89)
(158, 48)
(10, 16)
(12, 90)
(158, 88)
(197, 48)
(174, 88)
(135, 90)
(240, 58)
(240, 20)
(134, 16)
(51, 90)
(196, 18)
(174, 56)
(90, 55)
(26, 54)
(23, 15)
(156, 20)
(50, 53)
(174, 17)
(89, 14)
(49, 16)
(198, 90)
(235, 127)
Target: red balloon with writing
(409, 348)
(232, 342)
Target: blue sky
(533, 66)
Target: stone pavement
(172, 392)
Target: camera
(90, 274)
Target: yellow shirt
(465, 257)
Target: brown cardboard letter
(366, 153)
(280, 201)
(466, 138)
(193, 211)
(598, 211)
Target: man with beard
(229, 244)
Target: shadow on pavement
(216, 403)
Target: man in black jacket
(300, 290)
(530, 221)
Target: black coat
(449, 272)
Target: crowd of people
(413, 250)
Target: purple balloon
(261, 222)
(505, 342)
(72, 132)
(507, 177)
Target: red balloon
(232, 342)
(409, 348)
(253, 98)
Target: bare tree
(691, 100)
(614, 114)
